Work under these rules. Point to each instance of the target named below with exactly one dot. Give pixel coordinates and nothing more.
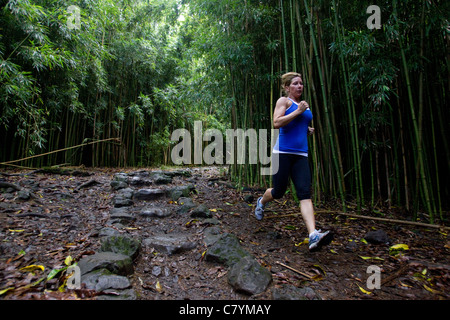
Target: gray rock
(103, 279)
(212, 221)
(120, 181)
(8, 196)
(117, 185)
(122, 214)
(180, 191)
(226, 250)
(249, 277)
(149, 194)
(127, 294)
(121, 244)
(160, 177)
(169, 243)
(201, 211)
(156, 271)
(139, 181)
(108, 232)
(177, 173)
(121, 176)
(126, 193)
(290, 292)
(23, 195)
(377, 237)
(186, 204)
(155, 212)
(123, 198)
(115, 262)
(120, 202)
(211, 235)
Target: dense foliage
(137, 70)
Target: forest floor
(61, 221)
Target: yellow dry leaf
(399, 246)
(32, 267)
(405, 285)
(158, 287)
(363, 290)
(213, 210)
(371, 258)
(430, 289)
(68, 261)
(6, 290)
(332, 251)
(305, 241)
(16, 230)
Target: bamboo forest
(92, 92)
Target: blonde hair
(287, 78)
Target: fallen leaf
(6, 290)
(371, 258)
(305, 241)
(32, 267)
(190, 223)
(158, 287)
(431, 290)
(364, 291)
(399, 246)
(317, 277)
(405, 285)
(54, 272)
(68, 261)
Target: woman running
(293, 117)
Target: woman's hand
(311, 131)
(302, 106)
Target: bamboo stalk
(414, 223)
(295, 270)
(420, 162)
(286, 61)
(339, 177)
(65, 149)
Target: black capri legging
(296, 167)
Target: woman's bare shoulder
(283, 102)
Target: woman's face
(296, 87)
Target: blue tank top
(293, 137)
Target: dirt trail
(55, 216)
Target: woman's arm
(279, 117)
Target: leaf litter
(41, 237)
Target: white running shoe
(259, 210)
(318, 239)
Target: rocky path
(189, 234)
